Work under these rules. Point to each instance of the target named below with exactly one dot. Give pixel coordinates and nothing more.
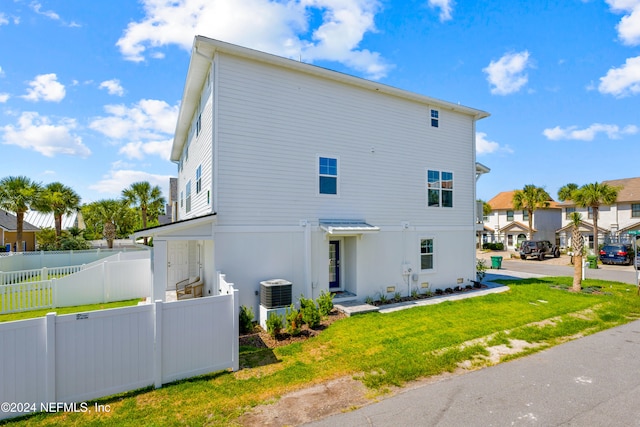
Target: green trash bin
(496, 262)
(593, 261)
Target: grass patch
(22, 315)
(382, 350)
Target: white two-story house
(335, 183)
(510, 226)
(614, 221)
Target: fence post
(157, 343)
(44, 275)
(54, 293)
(235, 294)
(50, 355)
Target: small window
(439, 189)
(327, 175)
(509, 215)
(635, 210)
(525, 215)
(426, 254)
(188, 199)
(435, 118)
(590, 213)
(198, 179)
(199, 124)
(568, 212)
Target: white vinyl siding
(273, 121)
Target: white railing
(78, 357)
(106, 281)
(26, 296)
(12, 261)
(224, 287)
(38, 274)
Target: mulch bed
(259, 338)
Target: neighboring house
(511, 227)
(292, 171)
(9, 231)
(47, 220)
(171, 207)
(614, 222)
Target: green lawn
(65, 310)
(381, 350)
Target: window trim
(198, 179)
(188, 197)
(432, 253)
(320, 175)
(635, 213)
(434, 117)
(510, 215)
(440, 187)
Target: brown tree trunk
(19, 227)
(577, 273)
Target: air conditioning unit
(275, 293)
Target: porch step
(355, 307)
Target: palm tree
(146, 198)
(531, 198)
(566, 192)
(577, 244)
(59, 199)
(17, 194)
(592, 196)
(106, 214)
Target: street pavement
(591, 381)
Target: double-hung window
(426, 254)
(569, 211)
(188, 195)
(435, 118)
(327, 175)
(439, 189)
(635, 210)
(509, 215)
(198, 179)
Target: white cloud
(40, 134)
(138, 149)
(622, 81)
(446, 7)
(148, 119)
(4, 97)
(629, 25)
(281, 28)
(588, 134)
(3, 19)
(37, 8)
(117, 180)
(1, 72)
(45, 87)
(507, 75)
(113, 87)
(484, 146)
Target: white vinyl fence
(95, 283)
(12, 261)
(78, 357)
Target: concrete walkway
(351, 308)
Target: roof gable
(504, 201)
(9, 222)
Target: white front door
(178, 262)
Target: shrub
(493, 246)
(481, 268)
(397, 297)
(294, 320)
(415, 293)
(274, 324)
(325, 303)
(246, 319)
(369, 300)
(383, 298)
(310, 312)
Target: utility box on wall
(275, 297)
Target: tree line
(139, 206)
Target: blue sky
(90, 90)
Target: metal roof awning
(346, 227)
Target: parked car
(538, 249)
(616, 253)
